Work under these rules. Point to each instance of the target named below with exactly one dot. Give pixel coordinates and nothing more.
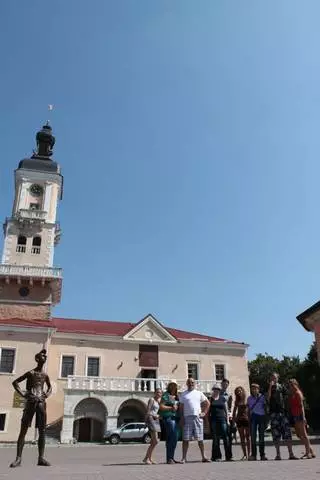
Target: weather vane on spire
(50, 108)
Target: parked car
(128, 432)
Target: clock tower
(29, 283)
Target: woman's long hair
(240, 395)
(172, 389)
(293, 382)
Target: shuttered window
(148, 356)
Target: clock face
(36, 190)
(24, 291)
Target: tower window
(21, 244)
(36, 245)
(34, 206)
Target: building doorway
(89, 420)
(88, 430)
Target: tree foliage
(307, 372)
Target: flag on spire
(50, 107)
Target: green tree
(308, 377)
(307, 372)
(262, 367)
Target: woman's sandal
(307, 456)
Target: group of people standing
(282, 407)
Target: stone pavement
(123, 462)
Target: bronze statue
(35, 404)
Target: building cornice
(179, 343)
(33, 175)
(84, 338)
(26, 329)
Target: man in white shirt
(194, 406)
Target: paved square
(123, 462)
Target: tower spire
(45, 142)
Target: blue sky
(188, 134)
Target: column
(67, 429)
(5, 247)
(21, 203)
(47, 199)
(111, 422)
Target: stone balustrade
(123, 384)
(28, 271)
(30, 214)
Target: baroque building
(102, 372)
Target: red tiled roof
(92, 327)
(95, 327)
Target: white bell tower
(29, 284)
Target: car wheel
(147, 438)
(114, 439)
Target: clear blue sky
(188, 134)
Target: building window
(21, 244)
(34, 206)
(67, 366)
(193, 371)
(3, 418)
(36, 245)
(220, 372)
(7, 358)
(93, 366)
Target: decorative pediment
(149, 330)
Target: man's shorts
(39, 409)
(193, 428)
(280, 427)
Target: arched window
(36, 245)
(36, 242)
(21, 244)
